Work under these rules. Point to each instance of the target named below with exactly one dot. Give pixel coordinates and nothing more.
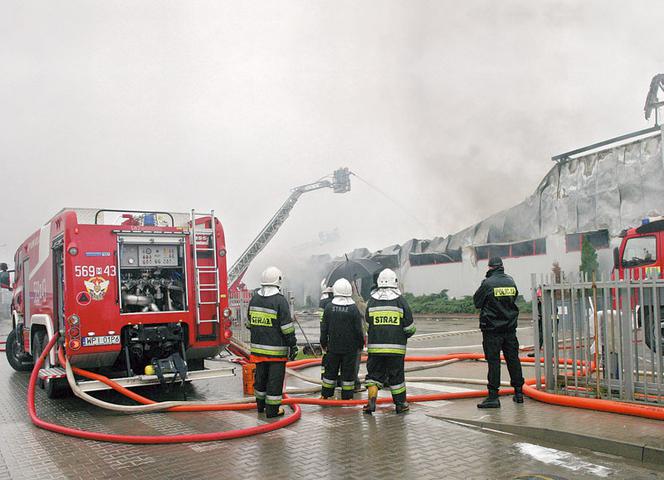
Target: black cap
(3, 266)
(495, 262)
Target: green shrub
(442, 303)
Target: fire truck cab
(126, 290)
(640, 256)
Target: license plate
(98, 341)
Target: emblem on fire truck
(96, 287)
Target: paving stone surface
(326, 443)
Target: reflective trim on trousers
(397, 389)
(348, 385)
(327, 383)
(259, 395)
(273, 399)
(373, 383)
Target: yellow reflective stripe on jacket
(278, 351)
(386, 348)
(504, 292)
(288, 328)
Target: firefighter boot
(273, 411)
(373, 394)
(260, 406)
(518, 395)
(402, 407)
(492, 401)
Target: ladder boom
(340, 183)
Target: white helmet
(324, 288)
(271, 276)
(342, 288)
(387, 279)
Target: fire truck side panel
(73, 277)
(35, 300)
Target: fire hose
(118, 438)
(587, 403)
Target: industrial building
(592, 192)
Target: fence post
(548, 308)
(628, 350)
(536, 330)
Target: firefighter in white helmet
(326, 296)
(341, 336)
(390, 325)
(273, 341)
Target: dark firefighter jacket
(390, 326)
(496, 298)
(341, 329)
(272, 330)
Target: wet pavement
(325, 443)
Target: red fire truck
(126, 290)
(641, 253)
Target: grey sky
(454, 108)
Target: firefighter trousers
(384, 370)
(493, 343)
(268, 386)
(334, 362)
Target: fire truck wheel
(55, 387)
(15, 355)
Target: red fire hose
(107, 437)
(587, 403)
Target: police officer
(496, 298)
(273, 341)
(341, 336)
(390, 325)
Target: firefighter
(496, 299)
(273, 341)
(390, 325)
(341, 336)
(325, 298)
(5, 280)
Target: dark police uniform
(342, 336)
(496, 298)
(390, 326)
(272, 335)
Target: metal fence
(238, 302)
(601, 339)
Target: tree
(589, 263)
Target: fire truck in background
(138, 294)
(639, 256)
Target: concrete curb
(643, 453)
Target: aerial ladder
(339, 182)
